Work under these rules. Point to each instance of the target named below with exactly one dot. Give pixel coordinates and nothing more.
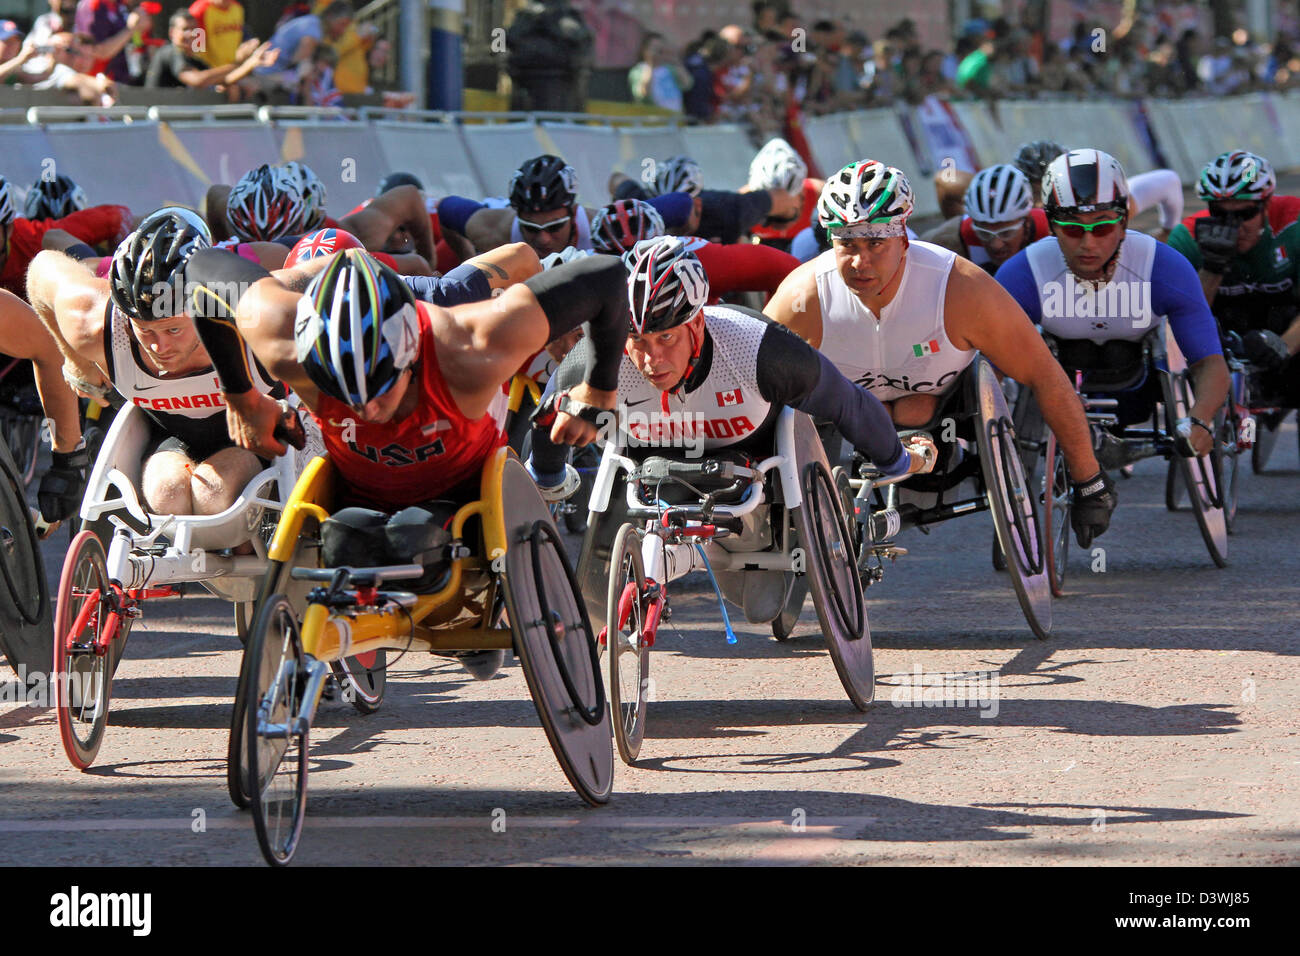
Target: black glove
(1232, 345)
(62, 486)
(1217, 241)
(1094, 501)
(1265, 350)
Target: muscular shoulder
(489, 228)
(972, 304)
(795, 304)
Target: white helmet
(866, 192)
(313, 194)
(1237, 175)
(1084, 180)
(777, 166)
(999, 194)
(678, 174)
(266, 204)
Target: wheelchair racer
(408, 395)
(904, 319)
(127, 332)
(1246, 246)
(999, 221)
(714, 376)
(1094, 284)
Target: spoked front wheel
(626, 610)
(81, 678)
(363, 679)
(275, 679)
(1056, 515)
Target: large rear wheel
(1056, 514)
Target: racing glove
(63, 485)
(1183, 435)
(1217, 241)
(1094, 502)
(1265, 349)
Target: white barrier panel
(985, 135)
(1167, 121)
(844, 138)
(592, 151)
(640, 147)
(219, 154)
(723, 152)
(27, 153)
(435, 153)
(126, 162)
(1287, 109)
(497, 150)
(345, 156)
(1107, 126)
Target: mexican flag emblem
(925, 348)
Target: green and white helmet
(868, 198)
(1236, 175)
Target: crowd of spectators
(90, 48)
(756, 73)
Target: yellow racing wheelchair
(509, 585)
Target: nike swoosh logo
(642, 402)
(146, 388)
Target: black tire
(1201, 477)
(783, 624)
(82, 679)
(1175, 496)
(1056, 500)
(1014, 507)
(833, 579)
(1267, 428)
(274, 677)
(629, 658)
(23, 436)
(22, 576)
(362, 682)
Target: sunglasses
(1235, 215)
(552, 227)
(1075, 230)
(988, 235)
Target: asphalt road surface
(1156, 726)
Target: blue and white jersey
(1152, 283)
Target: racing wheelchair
(758, 529)
(1104, 377)
(980, 469)
(25, 608)
(102, 590)
(507, 584)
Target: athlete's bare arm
(980, 314)
(400, 208)
(25, 337)
(796, 305)
(508, 264)
(70, 302)
(270, 255)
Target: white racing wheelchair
(758, 529)
(124, 556)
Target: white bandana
(869, 230)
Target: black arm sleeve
(214, 282)
(465, 283)
(80, 252)
(591, 291)
(547, 457)
(792, 372)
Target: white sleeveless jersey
(584, 229)
(722, 410)
(1119, 310)
(905, 350)
(190, 407)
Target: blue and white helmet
(357, 329)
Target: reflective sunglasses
(1235, 215)
(988, 235)
(1075, 230)
(552, 227)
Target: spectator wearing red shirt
(23, 237)
(110, 25)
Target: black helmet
(666, 284)
(393, 180)
(148, 266)
(53, 198)
(543, 183)
(1033, 158)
